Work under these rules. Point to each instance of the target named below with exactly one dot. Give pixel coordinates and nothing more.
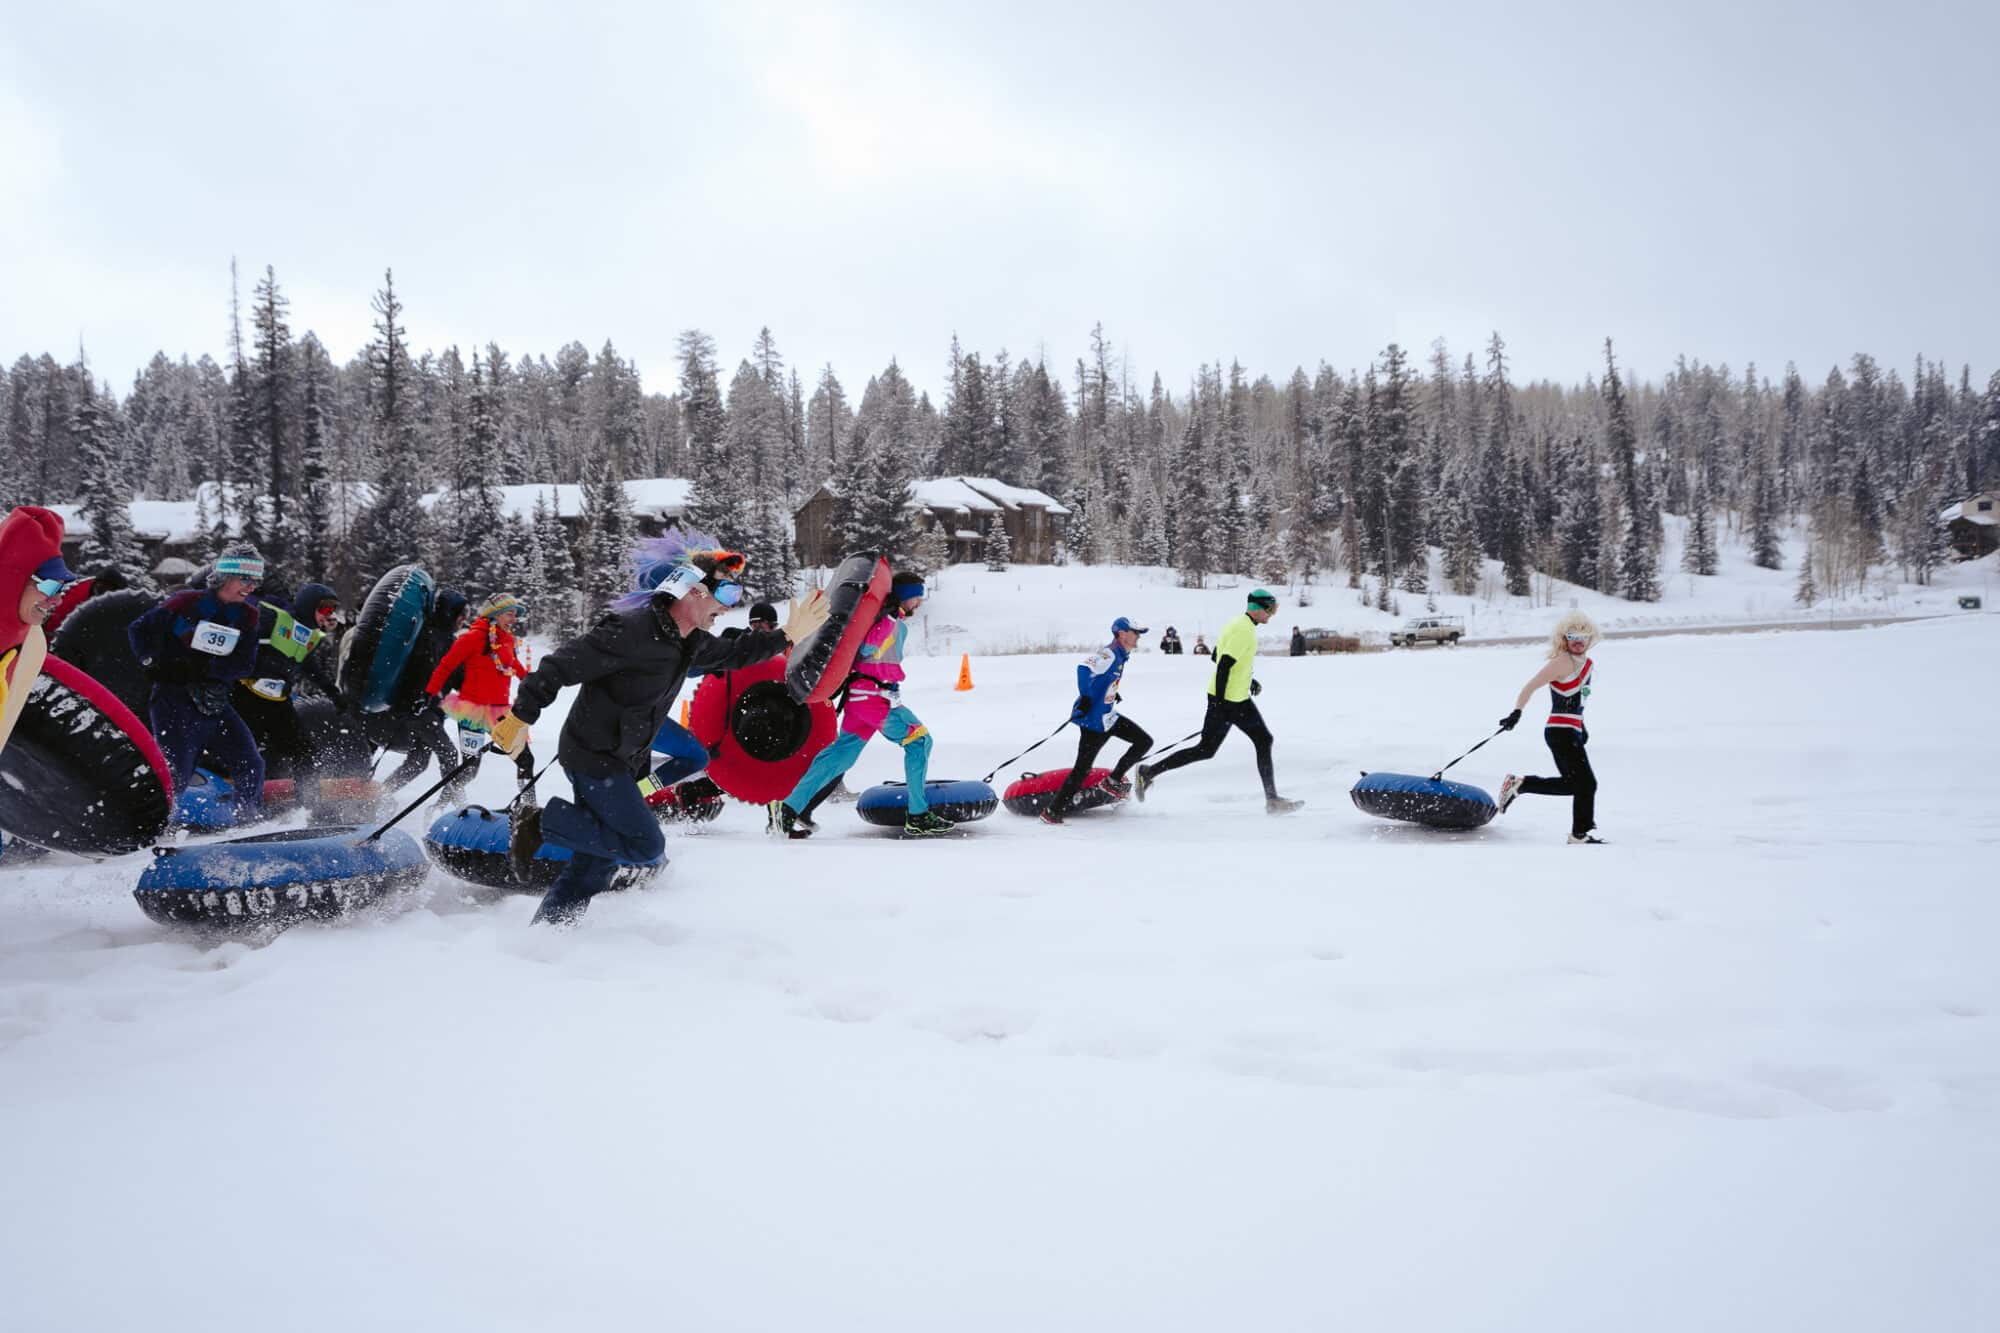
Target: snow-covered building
(1974, 524)
(960, 507)
(657, 502)
(170, 530)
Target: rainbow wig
(653, 558)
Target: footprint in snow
(1677, 1092)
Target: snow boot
(1144, 780)
(524, 839)
(1589, 839)
(1510, 787)
(785, 824)
(1051, 817)
(926, 825)
(1280, 805)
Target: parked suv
(1429, 629)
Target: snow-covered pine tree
(932, 551)
(273, 389)
(715, 503)
(1517, 563)
(1272, 565)
(1638, 565)
(1807, 591)
(482, 539)
(609, 530)
(112, 547)
(394, 529)
(315, 512)
(1699, 557)
(998, 549)
(564, 611)
(1151, 548)
(243, 480)
(1461, 542)
(1765, 548)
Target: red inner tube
(1036, 792)
(717, 719)
(861, 618)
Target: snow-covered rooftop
(1989, 517)
(950, 493)
(1014, 497)
(173, 522)
(660, 498)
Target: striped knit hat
(499, 604)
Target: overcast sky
(1275, 183)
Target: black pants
(1088, 743)
(1567, 745)
(1215, 726)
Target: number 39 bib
(215, 640)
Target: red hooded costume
(29, 538)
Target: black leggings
(1088, 743)
(1215, 725)
(1567, 745)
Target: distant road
(1750, 627)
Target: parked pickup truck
(1428, 629)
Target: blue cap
(54, 568)
(1123, 623)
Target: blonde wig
(1572, 622)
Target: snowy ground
(1032, 608)
(1179, 1066)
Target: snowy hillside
(1179, 1066)
(1034, 608)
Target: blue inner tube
(375, 651)
(278, 878)
(470, 843)
(961, 800)
(1433, 802)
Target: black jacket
(631, 665)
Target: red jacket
(487, 653)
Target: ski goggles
(53, 587)
(686, 578)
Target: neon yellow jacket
(1239, 642)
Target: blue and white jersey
(1097, 679)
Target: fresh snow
(1177, 1066)
(1034, 608)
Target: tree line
(1403, 475)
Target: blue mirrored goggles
(54, 587)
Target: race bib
(213, 639)
(473, 740)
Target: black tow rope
(1030, 750)
(1440, 773)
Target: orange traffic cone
(964, 672)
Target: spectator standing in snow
(1200, 646)
(1567, 674)
(1298, 642)
(1230, 704)
(1170, 642)
(1098, 720)
(630, 665)
(488, 659)
(194, 647)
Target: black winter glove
(423, 703)
(1081, 707)
(1256, 687)
(1507, 722)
